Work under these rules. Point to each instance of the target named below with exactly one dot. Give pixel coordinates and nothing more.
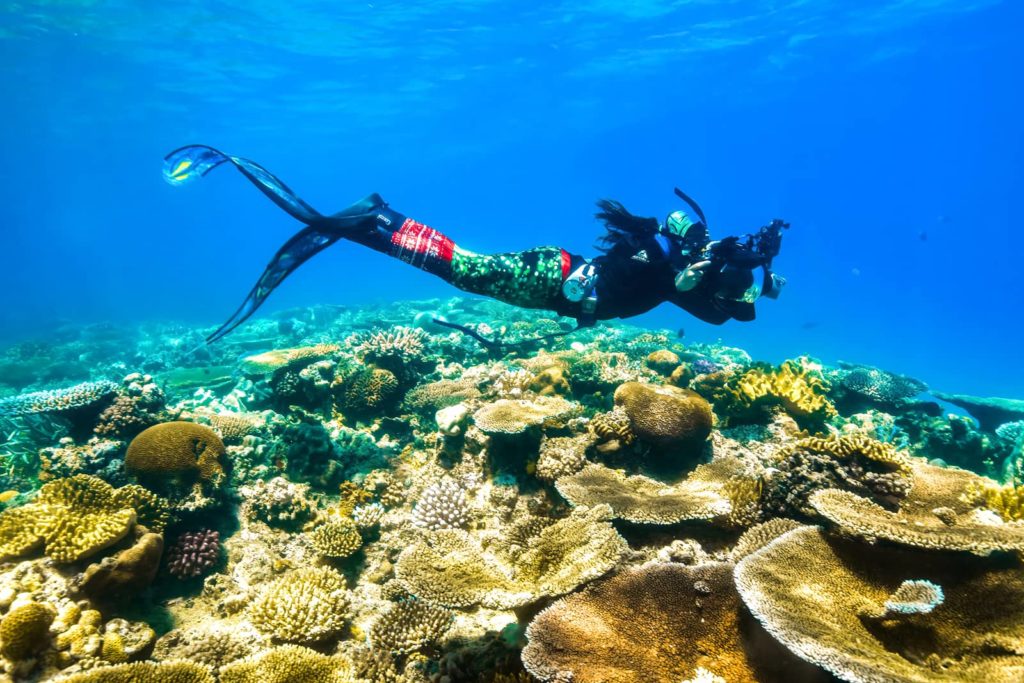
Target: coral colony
(357, 495)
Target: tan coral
(145, 672)
(662, 361)
(613, 425)
(337, 538)
(817, 597)
(661, 622)
(408, 625)
(289, 664)
(177, 449)
(864, 518)
(450, 568)
(666, 415)
(306, 606)
(515, 416)
(264, 363)
(562, 455)
(799, 389)
(760, 535)
(641, 499)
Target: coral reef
(306, 606)
(338, 538)
(57, 400)
(408, 625)
(442, 505)
(798, 388)
(512, 416)
(289, 664)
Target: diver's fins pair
(192, 162)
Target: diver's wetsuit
(629, 279)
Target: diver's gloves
(690, 277)
(186, 164)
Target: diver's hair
(623, 228)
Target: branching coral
(194, 553)
(641, 499)
(562, 455)
(145, 672)
(337, 538)
(408, 625)
(431, 397)
(277, 502)
(661, 622)
(829, 616)
(289, 664)
(395, 349)
(306, 606)
(1007, 501)
(665, 415)
(442, 505)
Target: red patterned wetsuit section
(566, 263)
(423, 247)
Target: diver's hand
(690, 277)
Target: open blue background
(888, 132)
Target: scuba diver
(643, 262)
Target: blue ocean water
(886, 131)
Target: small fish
(923, 236)
(8, 496)
(681, 333)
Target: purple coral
(704, 366)
(194, 553)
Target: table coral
(57, 400)
(660, 622)
(305, 606)
(265, 363)
(641, 499)
(516, 416)
(825, 615)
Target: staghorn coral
(666, 416)
(145, 672)
(661, 622)
(442, 505)
(265, 363)
(337, 538)
(510, 417)
(397, 349)
(613, 425)
(408, 625)
(177, 450)
(289, 664)
(450, 568)
(24, 630)
(797, 388)
(643, 500)
(864, 518)
(73, 518)
(562, 455)
(57, 400)
(194, 553)
(828, 616)
(306, 606)
(851, 462)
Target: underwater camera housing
(763, 245)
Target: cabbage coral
(800, 390)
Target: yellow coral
(846, 446)
(263, 363)
(176, 449)
(24, 631)
(798, 388)
(306, 606)
(74, 517)
(145, 672)
(408, 625)
(289, 664)
(1007, 501)
(338, 538)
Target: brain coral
(515, 416)
(665, 415)
(25, 630)
(145, 672)
(337, 538)
(661, 622)
(289, 664)
(173, 449)
(450, 568)
(641, 499)
(306, 606)
(74, 518)
(825, 616)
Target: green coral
(24, 631)
(74, 518)
(307, 606)
(289, 664)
